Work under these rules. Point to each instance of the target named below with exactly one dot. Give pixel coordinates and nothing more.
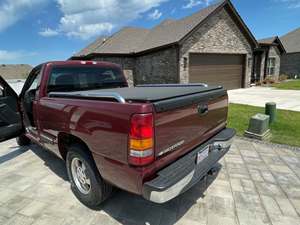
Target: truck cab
(19, 113)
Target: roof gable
(272, 41)
(267, 41)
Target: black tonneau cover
(143, 93)
(164, 98)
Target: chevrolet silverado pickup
(152, 140)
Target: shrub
(283, 77)
(258, 83)
(269, 80)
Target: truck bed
(185, 115)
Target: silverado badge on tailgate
(171, 148)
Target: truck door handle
(202, 109)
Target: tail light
(141, 140)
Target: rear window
(84, 78)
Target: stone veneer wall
(160, 67)
(154, 68)
(290, 64)
(274, 53)
(219, 34)
(127, 64)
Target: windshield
(84, 78)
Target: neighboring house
(213, 46)
(290, 62)
(15, 71)
(267, 59)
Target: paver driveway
(256, 184)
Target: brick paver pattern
(255, 184)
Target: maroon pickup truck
(153, 140)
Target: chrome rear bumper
(185, 172)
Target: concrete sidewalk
(258, 96)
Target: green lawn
(286, 129)
(288, 85)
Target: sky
(35, 31)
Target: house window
(271, 66)
(185, 62)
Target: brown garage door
(217, 69)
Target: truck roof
(81, 62)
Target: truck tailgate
(183, 123)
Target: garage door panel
(220, 76)
(216, 59)
(236, 71)
(217, 69)
(218, 82)
(216, 74)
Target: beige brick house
(213, 46)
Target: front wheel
(86, 182)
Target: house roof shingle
(125, 41)
(99, 41)
(131, 40)
(291, 41)
(272, 41)
(268, 41)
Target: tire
(97, 191)
(22, 140)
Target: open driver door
(10, 115)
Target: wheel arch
(66, 139)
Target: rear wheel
(22, 140)
(86, 182)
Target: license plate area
(202, 155)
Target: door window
(33, 81)
(36, 82)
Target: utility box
(259, 127)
